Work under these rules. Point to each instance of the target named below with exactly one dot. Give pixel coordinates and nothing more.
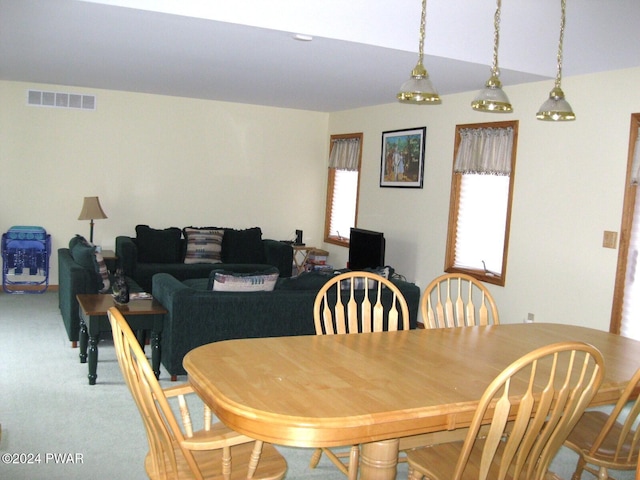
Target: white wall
(569, 184)
(163, 161)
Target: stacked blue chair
(25, 259)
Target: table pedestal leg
(379, 460)
(93, 358)
(155, 352)
(84, 337)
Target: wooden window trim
(628, 212)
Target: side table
(143, 314)
(300, 257)
(301, 254)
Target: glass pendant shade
(418, 89)
(492, 98)
(556, 108)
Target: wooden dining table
(385, 390)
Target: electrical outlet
(530, 318)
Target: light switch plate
(610, 239)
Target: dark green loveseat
(198, 316)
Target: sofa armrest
(72, 280)
(164, 286)
(280, 255)
(127, 253)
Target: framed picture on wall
(402, 159)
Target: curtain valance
(485, 151)
(345, 153)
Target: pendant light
(419, 89)
(556, 108)
(492, 98)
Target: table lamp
(91, 210)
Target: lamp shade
(556, 108)
(418, 89)
(492, 98)
(91, 209)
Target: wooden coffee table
(144, 314)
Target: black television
(366, 249)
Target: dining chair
(377, 308)
(532, 405)
(342, 306)
(606, 441)
(179, 452)
(457, 300)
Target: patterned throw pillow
(203, 245)
(103, 272)
(245, 282)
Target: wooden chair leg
(315, 458)
(579, 468)
(603, 474)
(354, 459)
(336, 461)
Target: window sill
(340, 241)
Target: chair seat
(587, 430)
(271, 466)
(438, 462)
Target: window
(480, 207)
(342, 187)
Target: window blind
(481, 227)
(343, 205)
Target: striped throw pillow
(203, 245)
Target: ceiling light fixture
(556, 108)
(492, 98)
(419, 89)
(302, 38)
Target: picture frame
(402, 158)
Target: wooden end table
(143, 314)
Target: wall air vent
(38, 98)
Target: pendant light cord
(423, 21)
(496, 38)
(563, 5)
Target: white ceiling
(362, 50)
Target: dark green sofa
(239, 247)
(198, 316)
